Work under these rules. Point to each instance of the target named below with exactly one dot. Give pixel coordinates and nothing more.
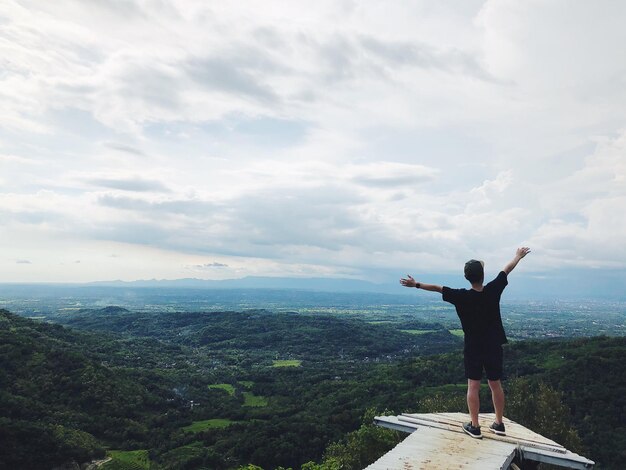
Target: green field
(458, 333)
(216, 423)
(127, 460)
(418, 332)
(287, 363)
(192, 451)
(226, 387)
(250, 399)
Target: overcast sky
(366, 139)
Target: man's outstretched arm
(410, 282)
(519, 254)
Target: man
(478, 309)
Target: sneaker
(498, 429)
(473, 431)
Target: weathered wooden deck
(438, 442)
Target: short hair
(474, 271)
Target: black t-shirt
(479, 312)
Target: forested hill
(225, 389)
(308, 337)
(59, 403)
(129, 381)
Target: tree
(359, 448)
(540, 408)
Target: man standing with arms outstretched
(478, 309)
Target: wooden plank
(447, 439)
(514, 436)
(487, 435)
(513, 429)
(569, 459)
(392, 422)
(431, 448)
(429, 441)
(438, 442)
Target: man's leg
(497, 395)
(494, 367)
(473, 399)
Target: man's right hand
(408, 282)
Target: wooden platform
(438, 442)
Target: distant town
(522, 320)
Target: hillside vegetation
(201, 390)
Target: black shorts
(489, 358)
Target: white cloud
(586, 226)
(336, 137)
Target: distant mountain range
(570, 284)
(258, 282)
(564, 285)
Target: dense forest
(227, 389)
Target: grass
(458, 333)
(216, 423)
(418, 332)
(448, 388)
(127, 460)
(250, 399)
(174, 457)
(228, 388)
(287, 363)
(247, 383)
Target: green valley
(221, 390)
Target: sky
(170, 139)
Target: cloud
(392, 175)
(543, 56)
(123, 148)
(584, 229)
(413, 134)
(396, 53)
(212, 265)
(254, 67)
(367, 216)
(16, 159)
(158, 208)
(23, 261)
(135, 184)
(217, 74)
(140, 233)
